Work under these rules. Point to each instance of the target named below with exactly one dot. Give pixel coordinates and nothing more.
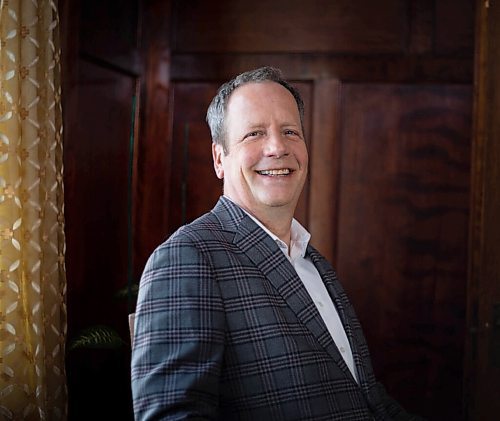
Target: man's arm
(179, 336)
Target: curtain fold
(32, 243)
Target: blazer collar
(229, 214)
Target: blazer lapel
(261, 249)
(266, 255)
(347, 315)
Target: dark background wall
(388, 87)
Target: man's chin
(279, 202)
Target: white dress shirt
(315, 286)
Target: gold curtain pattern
(32, 243)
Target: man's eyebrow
(255, 125)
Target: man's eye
(253, 134)
(291, 133)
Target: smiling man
(262, 155)
(238, 317)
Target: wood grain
(290, 26)
(402, 236)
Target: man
(238, 317)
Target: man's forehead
(251, 93)
(251, 86)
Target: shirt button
(320, 303)
(342, 349)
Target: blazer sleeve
(179, 336)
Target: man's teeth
(284, 171)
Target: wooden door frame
(482, 358)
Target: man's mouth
(280, 172)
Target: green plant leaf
(97, 337)
(123, 293)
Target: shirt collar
(299, 237)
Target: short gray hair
(216, 113)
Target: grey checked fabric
(225, 330)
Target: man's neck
(277, 220)
(279, 226)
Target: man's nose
(276, 145)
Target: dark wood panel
(194, 185)
(191, 155)
(454, 27)
(421, 27)
(97, 168)
(324, 164)
(310, 66)
(152, 165)
(402, 239)
(291, 26)
(97, 187)
(108, 54)
(110, 33)
(306, 92)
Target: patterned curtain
(32, 244)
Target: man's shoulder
(205, 221)
(216, 225)
(202, 228)
(225, 218)
(206, 235)
(202, 239)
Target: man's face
(266, 162)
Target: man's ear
(217, 155)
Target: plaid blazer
(225, 330)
